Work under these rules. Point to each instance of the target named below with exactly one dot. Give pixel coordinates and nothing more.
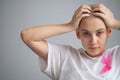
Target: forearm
(118, 25)
(43, 32)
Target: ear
(78, 33)
(109, 32)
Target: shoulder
(114, 49)
(58, 47)
(63, 49)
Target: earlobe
(109, 32)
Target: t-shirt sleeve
(56, 56)
(117, 56)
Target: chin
(94, 53)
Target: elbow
(24, 36)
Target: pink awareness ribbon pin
(106, 61)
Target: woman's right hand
(82, 11)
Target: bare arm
(35, 37)
(118, 24)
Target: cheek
(104, 37)
(103, 40)
(85, 41)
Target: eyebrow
(101, 29)
(84, 30)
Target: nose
(93, 39)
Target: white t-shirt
(67, 63)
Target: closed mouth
(93, 48)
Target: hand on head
(98, 10)
(80, 13)
(106, 14)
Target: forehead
(92, 23)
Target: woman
(93, 25)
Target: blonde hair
(92, 16)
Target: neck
(93, 56)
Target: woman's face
(94, 35)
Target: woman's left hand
(106, 14)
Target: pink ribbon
(106, 61)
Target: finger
(98, 10)
(84, 7)
(94, 6)
(82, 16)
(101, 15)
(98, 5)
(79, 18)
(83, 11)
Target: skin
(35, 37)
(93, 34)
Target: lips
(93, 48)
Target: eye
(86, 34)
(99, 33)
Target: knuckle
(100, 5)
(81, 9)
(81, 6)
(77, 16)
(75, 12)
